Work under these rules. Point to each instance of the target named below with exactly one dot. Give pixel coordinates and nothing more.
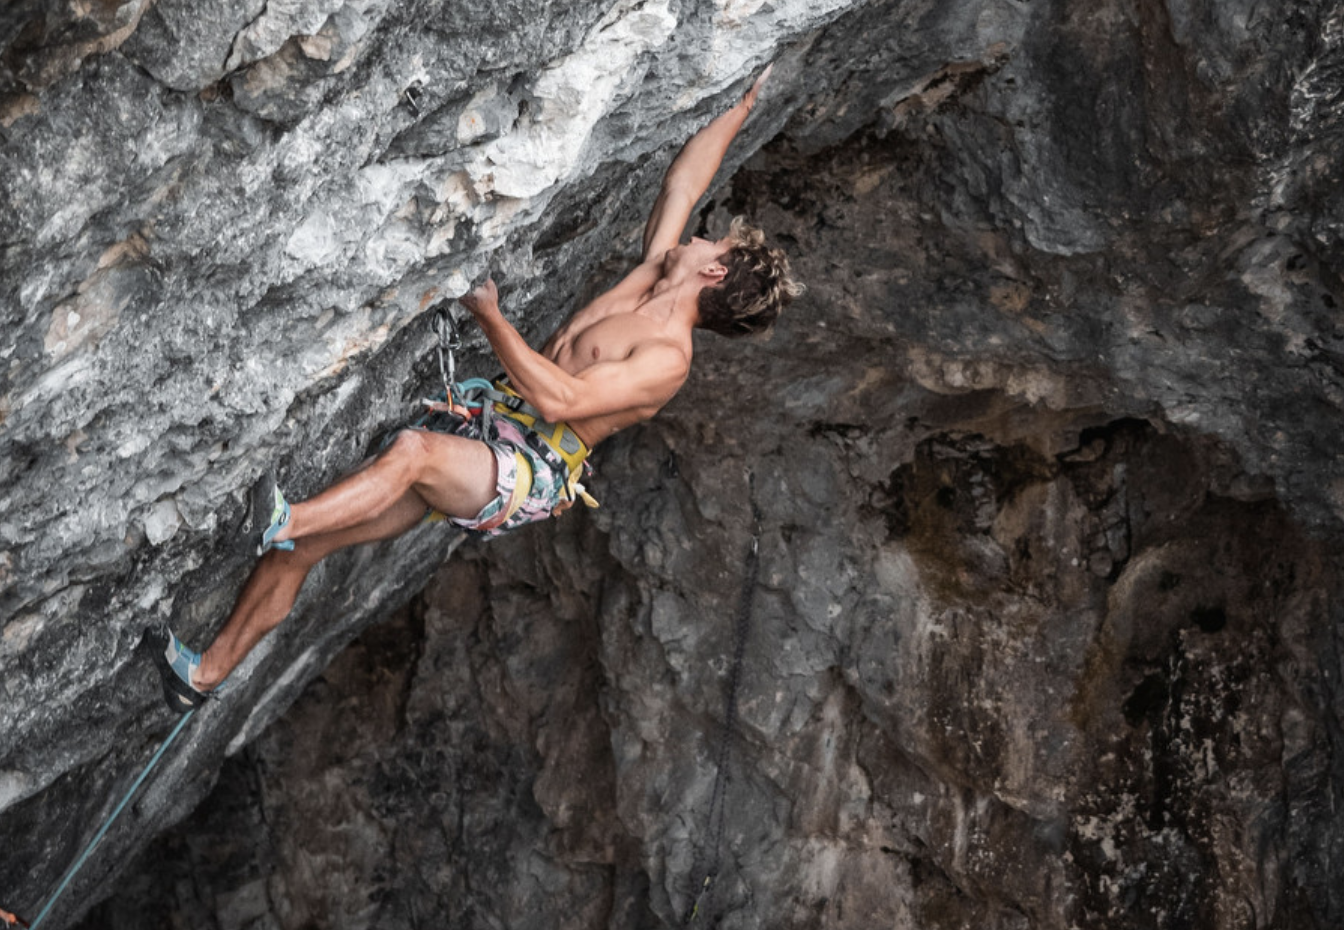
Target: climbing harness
(705, 865)
(102, 831)
(477, 397)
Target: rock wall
(1047, 628)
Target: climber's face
(699, 256)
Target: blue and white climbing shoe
(269, 499)
(175, 663)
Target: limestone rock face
(1046, 628)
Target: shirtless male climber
(616, 362)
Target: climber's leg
(274, 585)
(266, 599)
(452, 474)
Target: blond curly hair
(756, 288)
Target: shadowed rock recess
(1047, 631)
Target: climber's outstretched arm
(690, 174)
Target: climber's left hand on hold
(482, 301)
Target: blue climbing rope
(102, 831)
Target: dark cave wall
(1047, 627)
(944, 722)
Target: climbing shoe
(175, 663)
(270, 510)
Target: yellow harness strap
(560, 437)
(562, 440)
(522, 486)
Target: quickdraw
(450, 340)
(455, 400)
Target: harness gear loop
(566, 443)
(499, 399)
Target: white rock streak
(279, 21)
(573, 94)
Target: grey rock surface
(1047, 628)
